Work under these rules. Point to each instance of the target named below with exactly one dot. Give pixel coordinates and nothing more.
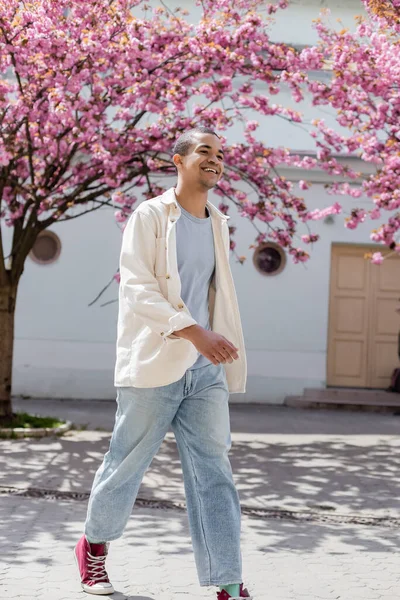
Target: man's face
(204, 163)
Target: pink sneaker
(225, 596)
(91, 562)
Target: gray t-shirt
(196, 265)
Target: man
(180, 351)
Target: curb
(23, 432)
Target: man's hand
(216, 348)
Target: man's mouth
(210, 170)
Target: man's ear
(177, 159)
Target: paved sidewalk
(316, 479)
(153, 561)
(282, 458)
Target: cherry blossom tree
(94, 92)
(364, 91)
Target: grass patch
(26, 421)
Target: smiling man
(180, 351)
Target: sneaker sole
(88, 589)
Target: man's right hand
(216, 348)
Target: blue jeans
(196, 407)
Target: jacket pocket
(160, 266)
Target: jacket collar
(169, 198)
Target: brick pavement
(153, 561)
(330, 464)
(336, 472)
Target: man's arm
(212, 345)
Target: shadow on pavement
(40, 534)
(300, 460)
(326, 461)
(330, 474)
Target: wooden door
(384, 322)
(363, 322)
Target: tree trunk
(8, 296)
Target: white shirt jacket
(150, 305)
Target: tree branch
(101, 292)
(48, 183)
(69, 218)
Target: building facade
(332, 321)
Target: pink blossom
(377, 258)
(309, 239)
(299, 255)
(119, 216)
(251, 125)
(319, 214)
(303, 185)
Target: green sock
(233, 589)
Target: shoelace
(97, 567)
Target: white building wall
(285, 317)
(64, 348)
(295, 24)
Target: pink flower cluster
(364, 92)
(377, 258)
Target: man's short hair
(186, 140)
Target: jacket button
(167, 277)
(172, 220)
(162, 333)
(180, 305)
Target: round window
(269, 259)
(46, 248)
